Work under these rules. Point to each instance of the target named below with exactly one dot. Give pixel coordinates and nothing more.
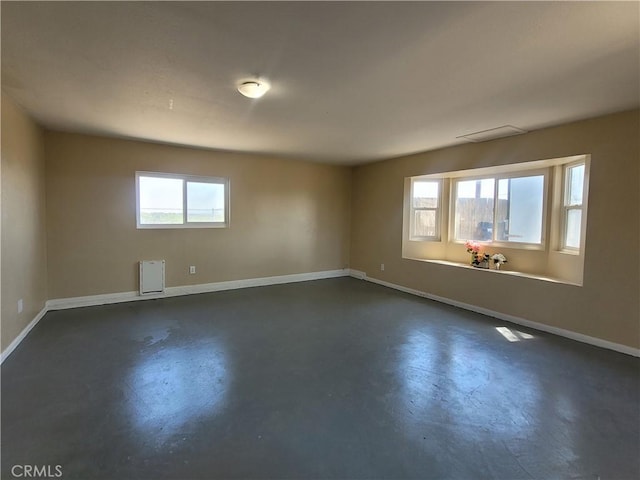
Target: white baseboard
(108, 298)
(253, 282)
(16, 341)
(92, 300)
(357, 274)
(598, 342)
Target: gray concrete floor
(328, 379)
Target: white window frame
(565, 207)
(185, 179)
(438, 211)
(545, 172)
(547, 262)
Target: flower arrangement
(498, 260)
(479, 258)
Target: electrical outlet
(382, 267)
(20, 306)
(192, 269)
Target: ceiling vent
(493, 133)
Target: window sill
(497, 272)
(574, 253)
(182, 226)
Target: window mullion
(494, 229)
(184, 201)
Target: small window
(181, 201)
(425, 209)
(506, 209)
(573, 206)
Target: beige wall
(294, 217)
(606, 306)
(24, 260)
(286, 216)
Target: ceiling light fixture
(253, 88)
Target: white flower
(499, 258)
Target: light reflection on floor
(451, 380)
(513, 335)
(176, 387)
(329, 379)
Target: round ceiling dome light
(253, 88)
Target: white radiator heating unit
(151, 277)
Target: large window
(500, 209)
(516, 206)
(181, 201)
(473, 209)
(533, 213)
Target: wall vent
(151, 277)
(493, 133)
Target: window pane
(476, 188)
(474, 209)
(519, 209)
(425, 194)
(467, 189)
(424, 224)
(205, 202)
(572, 235)
(575, 184)
(160, 200)
(486, 188)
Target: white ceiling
(351, 82)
